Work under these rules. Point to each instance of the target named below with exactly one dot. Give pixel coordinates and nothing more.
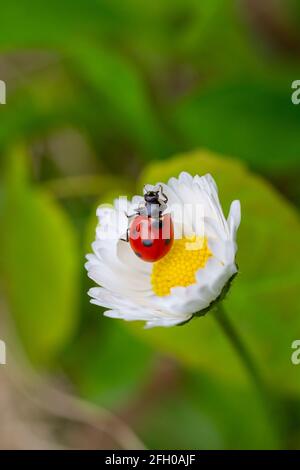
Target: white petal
(167, 322)
(234, 218)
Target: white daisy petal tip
(190, 279)
(234, 217)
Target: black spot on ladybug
(147, 243)
(167, 241)
(158, 223)
(138, 254)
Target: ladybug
(151, 232)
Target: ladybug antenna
(163, 194)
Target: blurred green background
(103, 96)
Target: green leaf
(225, 405)
(49, 100)
(37, 29)
(123, 95)
(255, 122)
(107, 364)
(210, 413)
(264, 302)
(39, 264)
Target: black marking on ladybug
(138, 254)
(147, 243)
(167, 241)
(157, 223)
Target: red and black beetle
(151, 232)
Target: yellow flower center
(179, 266)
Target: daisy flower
(189, 279)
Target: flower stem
(240, 347)
(272, 403)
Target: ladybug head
(153, 197)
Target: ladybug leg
(126, 239)
(162, 207)
(129, 217)
(165, 200)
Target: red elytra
(151, 238)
